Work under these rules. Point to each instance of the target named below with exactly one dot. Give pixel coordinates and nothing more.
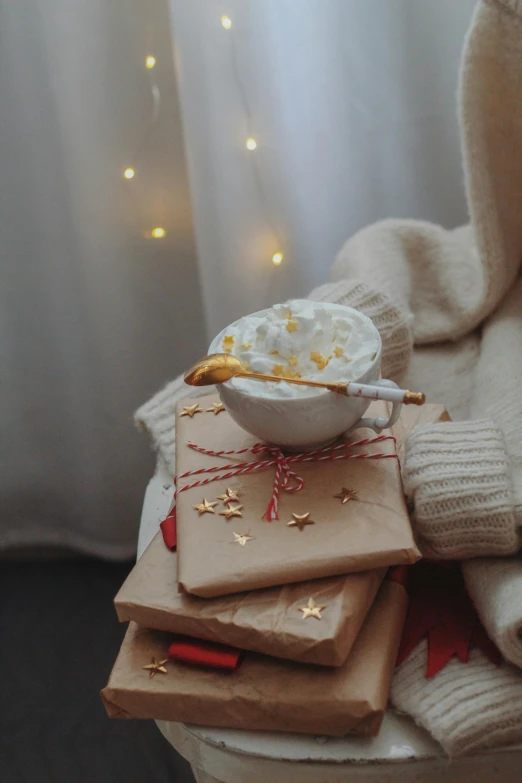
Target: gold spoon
(221, 367)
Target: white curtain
(352, 104)
(93, 316)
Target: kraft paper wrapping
(371, 532)
(266, 693)
(266, 621)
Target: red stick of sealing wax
(209, 654)
(168, 529)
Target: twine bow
(284, 478)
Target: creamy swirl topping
(300, 339)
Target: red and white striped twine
(284, 478)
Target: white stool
(402, 751)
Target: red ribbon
(207, 654)
(285, 478)
(441, 610)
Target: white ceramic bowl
(299, 423)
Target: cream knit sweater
(457, 296)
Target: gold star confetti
(312, 609)
(300, 521)
(278, 369)
(228, 342)
(293, 360)
(347, 494)
(230, 495)
(319, 359)
(288, 373)
(216, 408)
(191, 410)
(231, 511)
(338, 351)
(156, 667)
(241, 538)
(246, 346)
(274, 353)
(205, 507)
(291, 326)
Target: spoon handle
(348, 389)
(370, 392)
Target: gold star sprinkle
(246, 346)
(312, 609)
(241, 538)
(228, 342)
(205, 507)
(156, 667)
(278, 369)
(300, 521)
(338, 351)
(231, 511)
(319, 359)
(231, 495)
(191, 410)
(291, 326)
(347, 494)
(274, 353)
(216, 408)
(293, 360)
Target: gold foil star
(338, 351)
(216, 408)
(293, 360)
(231, 511)
(191, 410)
(228, 342)
(156, 667)
(347, 494)
(278, 369)
(291, 326)
(312, 609)
(300, 521)
(205, 507)
(241, 538)
(231, 495)
(319, 359)
(246, 346)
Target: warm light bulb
(150, 61)
(226, 21)
(129, 173)
(158, 233)
(251, 144)
(277, 258)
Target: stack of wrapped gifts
(273, 597)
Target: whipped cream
(300, 339)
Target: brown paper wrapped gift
(371, 532)
(266, 693)
(266, 621)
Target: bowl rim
(317, 393)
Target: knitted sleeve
(457, 476)
(156, 417)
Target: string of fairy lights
(251, 144)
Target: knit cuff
(467, 706)
(392, 323)
(157, 417)
(457, 476)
